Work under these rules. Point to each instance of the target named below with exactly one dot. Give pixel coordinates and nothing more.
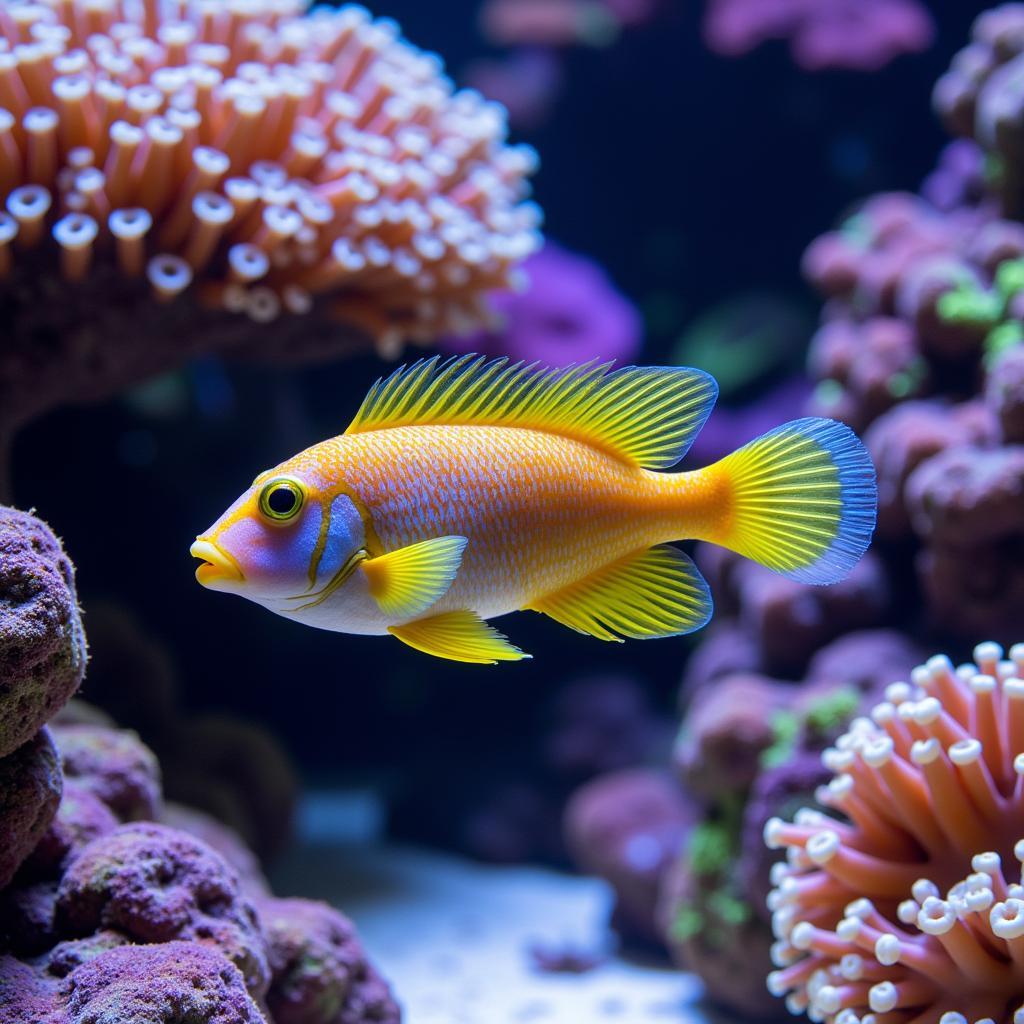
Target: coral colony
(909, 905)
(860, 34)
(309, 172)
(113, 906)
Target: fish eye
(281, 499)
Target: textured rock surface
(30, 788)
(173, 983)
(155, 884)
(115, 766)
(42, 645)
(320, 974)
(627, 828)
(81, 817)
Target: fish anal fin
(658, 592)
(643, 415)
(409, 580)
(458, 636)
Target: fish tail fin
(800, 500)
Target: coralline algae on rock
(30, 788)
(154, 884)
(42, 644)
(319, 972)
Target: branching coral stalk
(903, 908)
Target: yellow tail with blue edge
(800, 499)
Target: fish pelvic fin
(458, 636)
(801, 500)
(407, 581)
(658, 592)
(644, 415)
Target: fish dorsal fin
(407, 581)
(458, 636)
(659, 592)
(644, 415)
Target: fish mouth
(218, 566)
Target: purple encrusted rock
(968, 496)
(714, 934)
(867, 660)
(81, 818)
(790, 621)
(113, 764)
(865, 368)
(1004, 393)
(903, 438)
(156, 884)
(70, 954)
(725, 649)
(42, 645)
(26, 917)
(726, 730)
(226, 841)
(628, 828)
(779, 791)
(319, 970)
(27, 995)
(30, 788)
(170, 983)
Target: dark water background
(690, 177)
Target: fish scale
(540, 510)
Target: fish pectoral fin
(458, 636)
(659, 592)
(409, 580)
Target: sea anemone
(899, 904)
(255, 162)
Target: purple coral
(30, 788)
(320, 974)
(791, 621)
(226, 841)
(42, 645)
(175, 981)
(967, 504)
(627, 828)
(980, 98)
(910, 434)
(859, 34)
(726, 730)
(81, 817)
(569, 311)
(154, 884)
(1004, 393)
(115, 766)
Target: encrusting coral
(183, 172)
(42, 645)
(907, 905)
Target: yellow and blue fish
(467, 489)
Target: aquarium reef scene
(610, 414)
